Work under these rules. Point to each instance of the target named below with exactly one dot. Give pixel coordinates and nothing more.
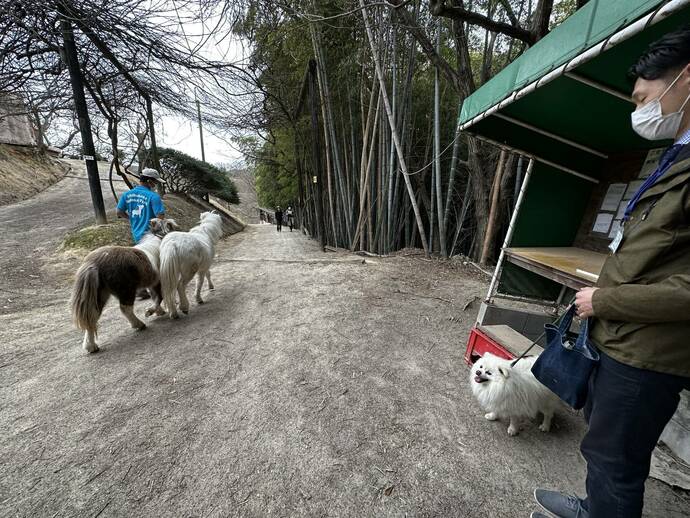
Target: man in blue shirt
(141, 204)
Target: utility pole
(206, 196)
(201, 130)
(152, 133)
(89, 151)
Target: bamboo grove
(360, 117)
(347, 109)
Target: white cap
(152, 174)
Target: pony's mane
(211, 225)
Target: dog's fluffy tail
(84, 302)
(170, 271)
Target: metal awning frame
(634, 28)
(532, 156)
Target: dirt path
(309, 384)
(31, 230)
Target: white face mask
(650, 123)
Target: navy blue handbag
(568, 361)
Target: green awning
(565, 99)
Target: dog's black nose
(478, 373)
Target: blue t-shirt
(141, 205)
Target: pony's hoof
(185, 311)
(199, 300)
(174, 316)
(141, 327)
(92, 350)
(512, 431)
(544, 428)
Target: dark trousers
(627, 409)
(279, 226)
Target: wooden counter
(570, 266)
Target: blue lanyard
(665, 163)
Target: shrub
(185, 174)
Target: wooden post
(491, 224)
(89, 151)
(300, 184)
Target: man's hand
(583, 301)
(122, 214)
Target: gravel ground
(309, 384)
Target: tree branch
(509, 11)
(427, 46)
(441, 8)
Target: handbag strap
(567, 319)
(560, 322)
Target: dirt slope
(33, 229)
(24, 172)
(246, 210)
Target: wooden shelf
(510, 339)
(570, 266)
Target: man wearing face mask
(641, 305)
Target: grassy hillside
(183, 210)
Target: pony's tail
(84, 302)
(169, 273)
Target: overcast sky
(183, 135)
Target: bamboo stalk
(391, 122)
(437, 149)
(368, 153)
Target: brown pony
(119, 271)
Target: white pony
(185, 254)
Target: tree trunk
(493, 210)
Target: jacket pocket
(624, 329)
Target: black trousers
(627, 409)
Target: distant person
(289, 216)
(279, 218)
(141, 204)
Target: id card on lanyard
(616, 243)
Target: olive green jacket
(642, 306)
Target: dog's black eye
(488, 373)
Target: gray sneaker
(537, 514)
(560, 505)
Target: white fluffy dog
(185, 254)
(511, 392)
